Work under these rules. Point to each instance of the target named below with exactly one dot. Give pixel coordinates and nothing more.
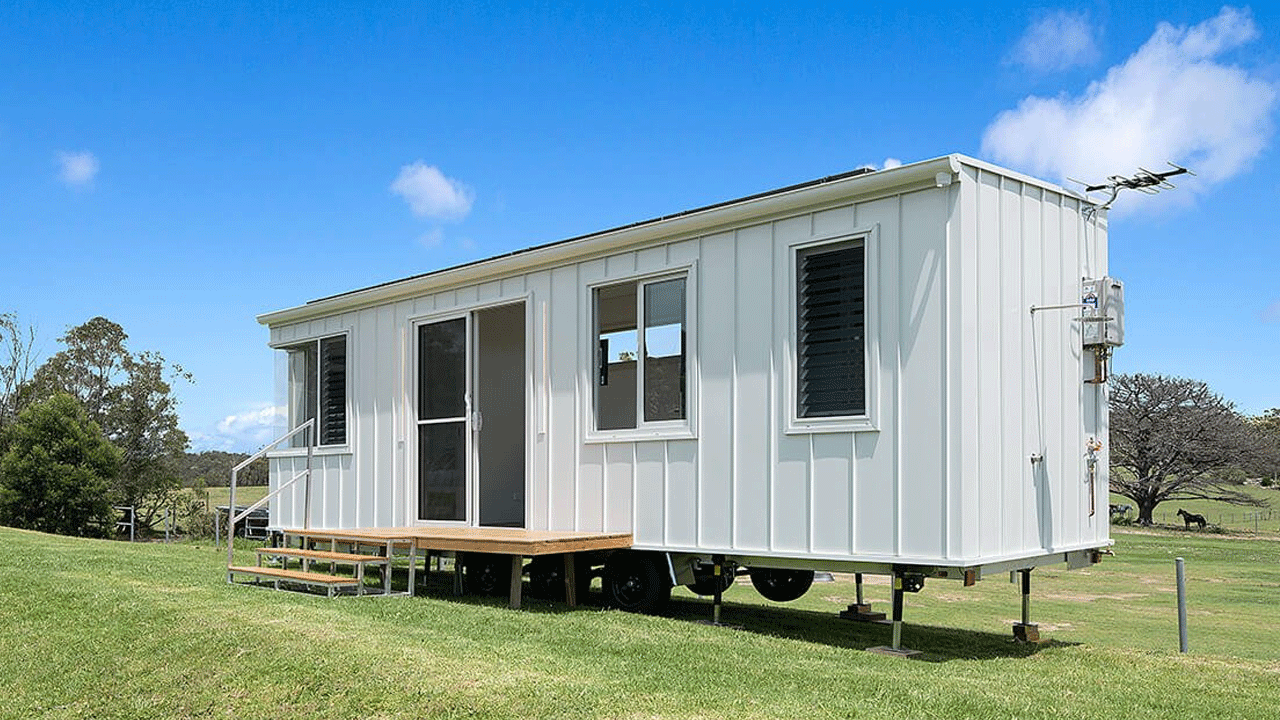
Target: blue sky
(180, 170)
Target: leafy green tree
(1175, 439)
(130, 397)
(57, 469)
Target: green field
(99, 629)
(1262, 520)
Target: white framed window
(641, 355)
(832, 376)
(318, 389)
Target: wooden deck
(515, 542)
(500, 541)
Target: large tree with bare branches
(1175, 439)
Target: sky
(181, 168)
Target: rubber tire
(636, 582)
(781, 585)
(546, 578)
(704, 582)
(487, 574)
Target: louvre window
(830, 331)
(318, 389)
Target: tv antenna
(1144, 181)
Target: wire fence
(1258, 520)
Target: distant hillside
(214, 468)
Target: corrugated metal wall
(967, 386)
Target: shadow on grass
(938, 644)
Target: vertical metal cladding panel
(876, 500)
(1032, 223)
(753, 340)
(987, 438)
(832, 528)
(589, 490)
(1012, 314)
(790, 491)
(589, 512)
(681, 503)
(718, 316)
(650, 493)
(619, 478)
(922, 363)
(1052, 338)
(563, 432)
(965, 485)
(539, 286)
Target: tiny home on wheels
(899, 372)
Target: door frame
(410, 409)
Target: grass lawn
(1263, 520)
(245, 494)
(99, 629)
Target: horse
(1189, 518)
(1121, 510)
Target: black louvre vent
(333, 391)
(830, 357)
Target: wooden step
(326, 555)
(330, 582)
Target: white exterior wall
(966, 384)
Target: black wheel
(781, 585)
(636, 582)
(704, 581)
(487, 574)
(546, 577)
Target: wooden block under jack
(863, 613)
(1027, 633)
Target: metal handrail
(233, 517)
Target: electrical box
(1102, 312)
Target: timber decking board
(503, 541)
(298, 575)
(323, 555)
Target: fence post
(1182, 604)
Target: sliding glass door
(442, 420)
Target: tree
(56, 470)
(1174, 439)
(17, 360)
(131, 399)
(1268, 424)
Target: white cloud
(431, 194)
(1057, 41)
(247, 431)
(1173, 99)
(77, 169)
(890, 163)
(432, 238)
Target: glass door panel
(442, 421)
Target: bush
(1267, 482)
(56, 470)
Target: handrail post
(306, 500)
(309, 428)
(231, 520)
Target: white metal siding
(969, 386)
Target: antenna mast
(1145, 181)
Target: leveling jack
(902, 584)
